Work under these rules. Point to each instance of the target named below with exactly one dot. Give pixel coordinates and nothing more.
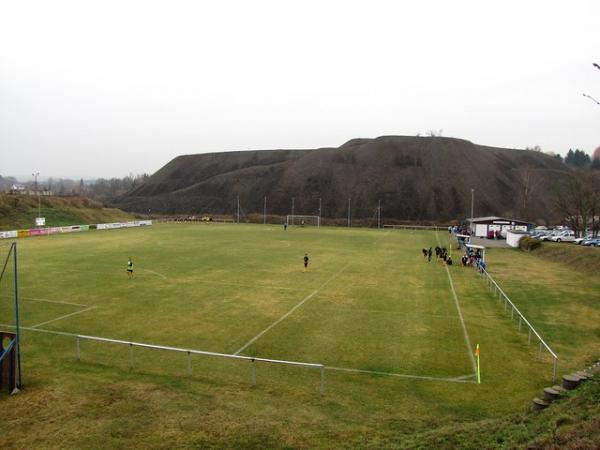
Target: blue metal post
(18, 333)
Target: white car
(547, 237)
(564, 236)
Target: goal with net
(303, 220)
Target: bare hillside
(416, 178)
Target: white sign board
(40, 221)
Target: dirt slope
(414, 177)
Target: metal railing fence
(252, 360)
(514, 311)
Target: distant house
(481, 226)
(17, 189)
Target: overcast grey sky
(105, 88)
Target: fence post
(519, 324)
(130, 355)
(540, 352)
(512, 313)
(77, 350)
(189, 364)
(322, 380)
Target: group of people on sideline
(473, 257)
(441, 254)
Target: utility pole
(472, 198)
(35, 175)
(348, 212)
(238, 209)
(379, 214)
(265, 211)
(319, 211)
(292, 210)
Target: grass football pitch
(395, 332)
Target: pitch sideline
(460, 315)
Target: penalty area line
(63, 317)
(152, 271)
(286, 315)
(41, 330)
(45, 300)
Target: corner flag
(478, 371)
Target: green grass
(372, 304)
(19, 211)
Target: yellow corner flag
(478, 371)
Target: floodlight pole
(348, 212)
(592, 99)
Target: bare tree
(529, 180)
(578, 200)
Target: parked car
(579, 240)
(546, 237)
(565, 236)
(591, 242)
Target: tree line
(103, 189)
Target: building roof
(492, 218)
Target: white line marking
(466, 377)
(304, 300)
(155, 273)
(51, 301)
(462, 320)
(401, 375)
(63, 317)
(62, 333)
(105, 272)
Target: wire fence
(189, 352)
(523, 322)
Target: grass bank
(20, 211)
(576, 257)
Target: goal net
(302, 221)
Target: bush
(527, 244)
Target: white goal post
(303, 220)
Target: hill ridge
(416, 178)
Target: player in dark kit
(305, 262)
(130, 268)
